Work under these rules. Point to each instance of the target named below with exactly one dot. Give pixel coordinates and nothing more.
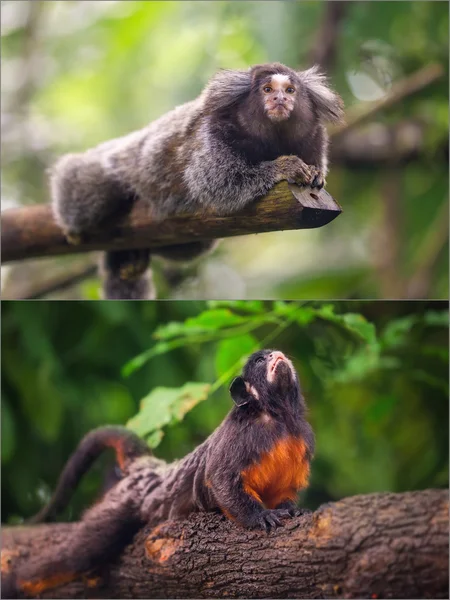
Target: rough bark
(30, 231)
(372, 546)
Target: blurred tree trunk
(325, 48)
(373, 546)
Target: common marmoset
(250, 469)
(246, 131)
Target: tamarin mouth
(278, 357)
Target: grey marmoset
(244, 133)
(250, 469)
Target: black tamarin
(244, 133)
(250, 469)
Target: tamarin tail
(127, 275)
(127, 446)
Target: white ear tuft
(226, 88)
(328, 103)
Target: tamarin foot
(270, 519)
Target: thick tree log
(373, 546)
(30, 231)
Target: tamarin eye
(267, 89)
(290, 90)
(260, 359)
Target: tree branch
(30, 232)
(373, 546)
(405, 88)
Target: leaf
(247, 306)
(352, 322)
(154, 438)
(8, 433)
(234, 351)
(161, 348)
(166, 406)
(439, 319)
(395, 332)
(207, 321)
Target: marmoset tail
(246, 131)
(250, 469)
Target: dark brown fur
(250, 469)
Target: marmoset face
(279, 95)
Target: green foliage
(165, 406)
(374, 374)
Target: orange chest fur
(279, 474)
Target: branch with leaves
(236, 329)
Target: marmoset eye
(267, 89)
(290, 90)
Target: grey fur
(329, 105)
(187, 161)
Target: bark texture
(372, 546)
(30, 232)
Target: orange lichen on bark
(7, 557)
(322, 531)
(92, 582)
(162, 549)
(33, 588)
(279, 474)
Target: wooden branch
(31, 232)
(373, 546)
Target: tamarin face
(268, 378)
(278, 93)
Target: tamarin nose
(280, 96)
(276, 354)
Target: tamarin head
(301, 96)
(268, 381)
(272, 98)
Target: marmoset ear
(238, 391)
(329, 104)
(226, 89)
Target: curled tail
(127, 446)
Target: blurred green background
(374, 374)
(77, 73)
